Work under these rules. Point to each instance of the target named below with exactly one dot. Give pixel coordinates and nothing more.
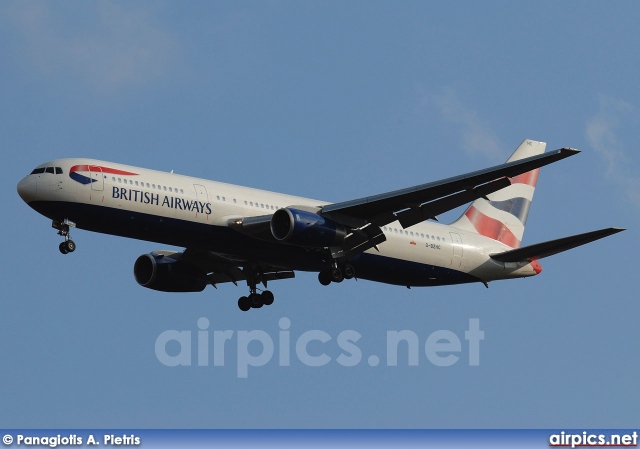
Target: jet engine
(303, 228)
(164, 272)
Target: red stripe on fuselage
(97, 168)
(492, 228)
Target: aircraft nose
(27, 189)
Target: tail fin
(503, 217)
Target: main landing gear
(336, 274)
(68, 246)
(255, 300)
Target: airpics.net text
(257, 348)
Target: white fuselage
(181, 210)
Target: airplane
(233, 233)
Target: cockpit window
(52, 170)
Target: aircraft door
(457, 244)
(458, 251)
(97, 179)
(202, 196)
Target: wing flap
(220, 278)
(222, 269)
(545, 249)
(359, 241)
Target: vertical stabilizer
(504, 216)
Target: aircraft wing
(413, 205)
(545, 249)
(221, 269)
(418, 203)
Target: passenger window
(136, 183)
(170, 189)
(58, 171)
(120, 180)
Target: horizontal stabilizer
(540, 250)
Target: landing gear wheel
(244, 304)
(255, 275)
(324, 277)
(267, 298)
(336, 274)
(349, 271)
(255, 300)
(71, 246)
(68, 246)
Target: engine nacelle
(299, 227)
(160, 271)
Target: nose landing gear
(68, 246)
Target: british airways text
(168, 201)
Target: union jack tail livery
(504, 216)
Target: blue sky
(330, 100)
